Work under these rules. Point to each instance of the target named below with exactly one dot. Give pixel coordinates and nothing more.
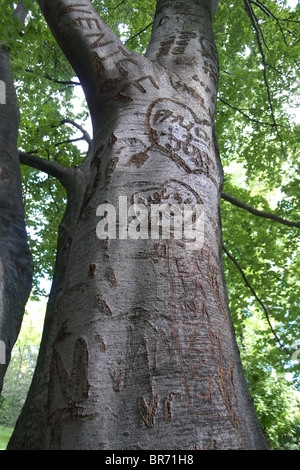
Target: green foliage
(5, 434)
(22, 365)
(130, 19)
(259, 147)
(276, 400)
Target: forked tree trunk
(144, 354)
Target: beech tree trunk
(15, 259)
(143, 352)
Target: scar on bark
(111, 166)
(112, 140)
(111, 276)
(92, 270)
(63, 333)
(117, 380)
(138, 159)
(101, 343)
(75, 388)
(102, 305)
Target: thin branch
(254, 211)
(258, 26)
(60, 82)
(256, 297)
(270, 14)
(69, 141)
(57, 60)
(262, 7)
(85, 134)
(137, 34)
(117, 6)
(64, 175)
(251, 15)
(257, 121)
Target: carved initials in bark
(148, 412)
(168, 405)
(176, 131)
(74, 388)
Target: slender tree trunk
(144, 354)
(15, 258)
(31, 426)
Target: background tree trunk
(144, 353)
(15, 259)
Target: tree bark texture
(144, 354)
(15, 259)
(31, 426)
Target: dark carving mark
(168, 405)
(98, 42)
(148, 412)
(167, 191)
(101, 343)
(138, 159)
(97, 63)
(90, 191)
(92, 270)
(163, 21)
(75, 388)
(111, 166)
(136, 83)
(223, 387)
(111, 83)
(214, 445)
(3, 174)
(117, 377)
(111, 276)
(170, 111)
(75, 8)
(189, 90)
(102, 305)
(165, 47)
(112, 140)
(63, 333)
(124, 98)
(89, 21)
(57, 418)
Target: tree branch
(60, 82)
(257, 121)
(140, 32)
(254, 211)
(270, 14)
(85, 134)
(90, 46)
(256, 297)
(256, 28)
(64, 175)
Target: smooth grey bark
(15, 259)
(31, 426)
(144, 353)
